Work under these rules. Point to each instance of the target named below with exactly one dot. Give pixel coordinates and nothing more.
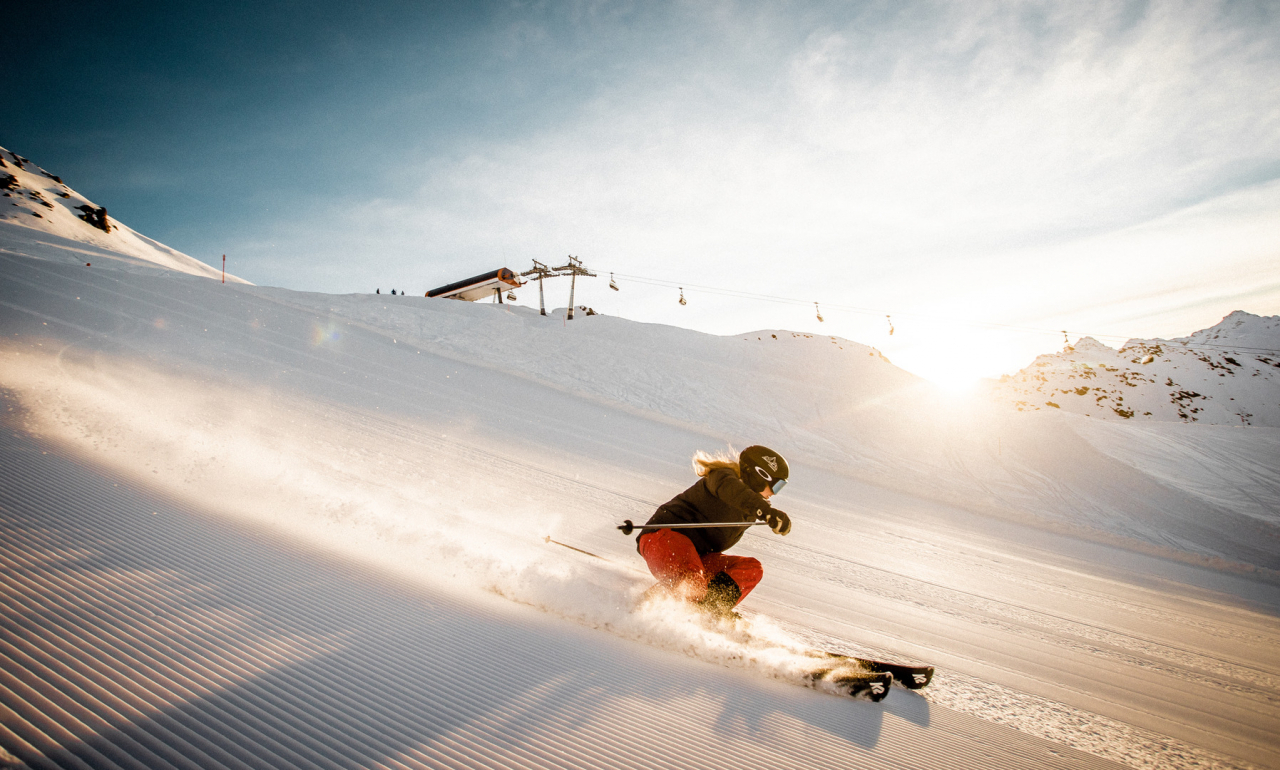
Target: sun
(955, 383)
(956, 369)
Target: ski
(860, 685)
(846, 679)
(910, 677)
(862, 678)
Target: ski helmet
(761, 467)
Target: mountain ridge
(42, 202)
(1227, 374)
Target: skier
(691, 563)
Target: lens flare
(324, 335)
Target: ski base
(910, 677)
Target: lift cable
(940, 319)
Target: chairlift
(612, 283)
(682, 302)
(511, 296)
(818, 310)
(890, 320)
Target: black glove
(778, 521)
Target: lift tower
(541, 271)
(573, 269)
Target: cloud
(984, 126)
(1008, 158)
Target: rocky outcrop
(1228, 374)
(96, 216)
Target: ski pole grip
(627, 527)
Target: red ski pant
(675, 562)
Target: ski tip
(910, 677)
(918, 678)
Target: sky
(985, 174)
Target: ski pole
(548, 539)
(627, 527)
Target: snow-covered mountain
(1228, 374)
(36, 200)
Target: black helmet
(761, 467)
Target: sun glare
(953, 366)
(955, 383)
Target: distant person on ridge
(691, 563)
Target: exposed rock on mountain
(49, 220)
(1225, 375)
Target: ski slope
(250, 527)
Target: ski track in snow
(260, 408)
(1221, 464)
(1042, 626)
(1058, 722)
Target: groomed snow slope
(842, 407)
(251, 527)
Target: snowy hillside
(39, 201)
(243, 526)
(1225, 375)
(842, 407)
(791, 386)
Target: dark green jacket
(720, 496)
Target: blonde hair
(705, 462)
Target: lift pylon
(540, 271)
(573, 268)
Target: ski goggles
(777, 485)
